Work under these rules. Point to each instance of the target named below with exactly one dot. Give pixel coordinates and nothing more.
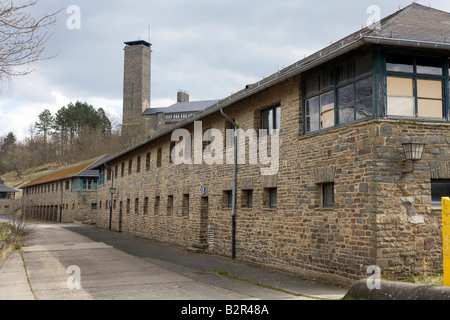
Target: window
(136, 206)
(122, 172)
(157, 201)
(169, 205)
(271, 120)
(439, 190)
(172, 146)
(340, 95)
(147, 161)
(228, 199)
(415, 86)
(328, 195)
(146, 205)
(247, 199)
(93, 206)
(229, 134)
(185, 205)
(138, 164)
(159, 158)
(270, 198)
(128, 206)
(130, 166)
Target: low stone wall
(397, 291)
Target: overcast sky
(210, 48)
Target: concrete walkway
(74, 262)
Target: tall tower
(136, 84)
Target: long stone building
(65, 195)
(343, 194)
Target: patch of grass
(5, 231)
(433, 279)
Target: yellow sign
(446, 239)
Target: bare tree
(23, 37)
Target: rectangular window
(439, 190)
(185, 205)
(172, 146)
(146, 205)
(138, 164)
(169, 205)
(400, 97)
(228, 199)
(273, 198)
(328, 195)
(130, 166)
(122, 172)
(157, 202)
(159, 158)
(271, 120)
(128, 206)
(247, 199)
(147, 161)
(136, 206)
(430, 103)
(340, 95)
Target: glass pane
(400, 106)
(364, 65)
(439, 189)
(346, 71)
(429, 65)
(312, 85)
(364, 92)
(328, 195)
(430, 109)
(402, 87)
(273, 198)
(429, 89)
(327, 113)
(399, 63)
(278, 118)
(312, 115)
(326, 80)
(346, 104)
(265, 119)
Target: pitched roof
(194, 106)
(5, 189)
(80, 169)
(415, 26)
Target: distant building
(7, 198)
(137, 93)
(64, 195)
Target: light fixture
(413, 152)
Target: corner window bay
(415, 86)
(339, 95)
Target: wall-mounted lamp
(413, 152)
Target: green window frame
(417, 85)
(339, 95)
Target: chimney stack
(182, 96)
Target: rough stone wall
(45, 205)
(377, 218)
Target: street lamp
(413, 152)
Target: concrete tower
(136, 84)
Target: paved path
(72, 262)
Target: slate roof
(82, 169)
(5, 189)
(180, 107)
(415, 26)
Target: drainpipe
(233, 224)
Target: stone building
(7, 198)
(65, 195)
(137, 110)
(343, 195)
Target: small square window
(439, 189)
(328, 195)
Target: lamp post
(112, 190)
(413, 152)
